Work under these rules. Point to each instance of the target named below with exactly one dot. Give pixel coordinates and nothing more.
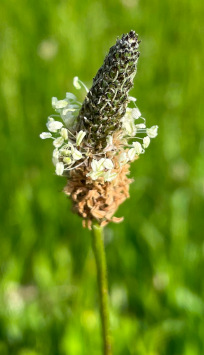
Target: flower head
(94, 142)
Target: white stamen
(45, 135)
(59, 168)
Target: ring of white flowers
(70, 146)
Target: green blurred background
(48, 295)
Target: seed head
(107, 100)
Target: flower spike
(94, 142)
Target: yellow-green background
(48, 295)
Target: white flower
(146, 142)
(131, 98)
(69, 115)
(54, 101)
(128, 121)
(58, 104)
(100, 165)
(70, 96)
(69, 110)
(108, 164)
(95, 174)
(59, 168)
(55, 156)
(56, 153)
(54, 161)
(76, 154)
(58, 142)
(69, 120)
(80, 136)
(131, 153)
(128, 114)
(67, 160)
(123, 159)
(45, 135)
(65, 150)
(152, 132)
(140, 126)
(67, 147)
(130, 128)
(109, 175)
(97, 165)
(76, 83)
(54, 126)
(64, 133)
(94, 165)
(98, 169)
(132, 113)
(138, 148)
(61, 104)
(136, 113)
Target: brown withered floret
(97, 200)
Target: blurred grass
(48, 299)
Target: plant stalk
(99, 253)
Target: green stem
(99, 252)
